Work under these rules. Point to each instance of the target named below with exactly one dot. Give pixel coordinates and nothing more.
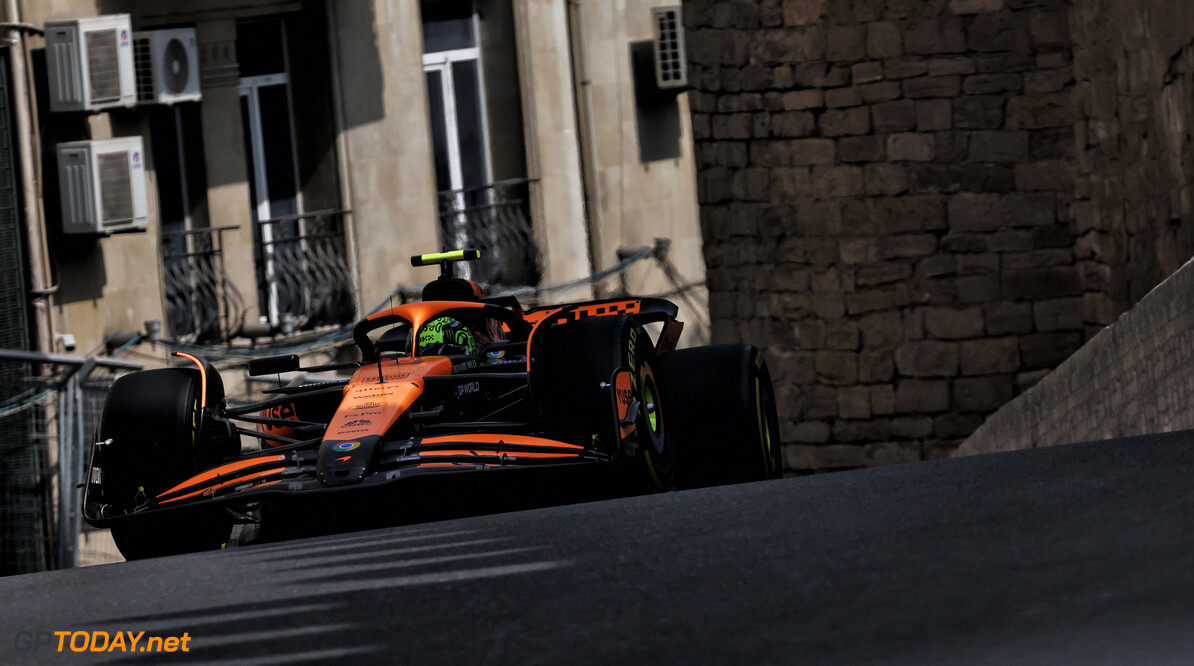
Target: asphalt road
(1074, 554)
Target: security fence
(50, 406)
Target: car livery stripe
(421, 311)
(531, 338)
(601, 310)
(211, 489)
(536, 317)
(202, 377)
(223, 470)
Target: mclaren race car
(461, 403)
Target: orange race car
(460, 404)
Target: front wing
(288, 473)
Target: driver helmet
(445, 335)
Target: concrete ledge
(1133, 378)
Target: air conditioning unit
(89, 63)
(671, 61)
(102, 186)
(167, 66)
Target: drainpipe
(34, 226)
(342, 159)
(586, 135)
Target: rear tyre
(575, 370)
(153, 419)
(723, 413)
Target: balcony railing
(303, 275)
(201, 304)
(303, 278)
(496, 219)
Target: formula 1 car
(460, 402)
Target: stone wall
(1134, 64)
(1133, 378)
(888, 191)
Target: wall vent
(671, 60)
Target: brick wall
(1133, 378)
(888, 191)
(1134, 64)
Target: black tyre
(153, 419)
(575, 369)
(723, 417)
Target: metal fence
(50, 406)
(496, 219)
(304, 280)
(201, 304)
(303, 272)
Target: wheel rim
(652, 407)
(656, 453)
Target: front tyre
(724, 419)
(153, 419)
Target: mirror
(272, 365)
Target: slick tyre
(724, 422)
(576, 369)
(153, 420)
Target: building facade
(332, 140)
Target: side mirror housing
(272, 365)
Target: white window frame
(442, 61)
(249, 87)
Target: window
(469, 64)
(271, 163)
(192, 301)
(455, 94)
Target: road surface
(1073, 554)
